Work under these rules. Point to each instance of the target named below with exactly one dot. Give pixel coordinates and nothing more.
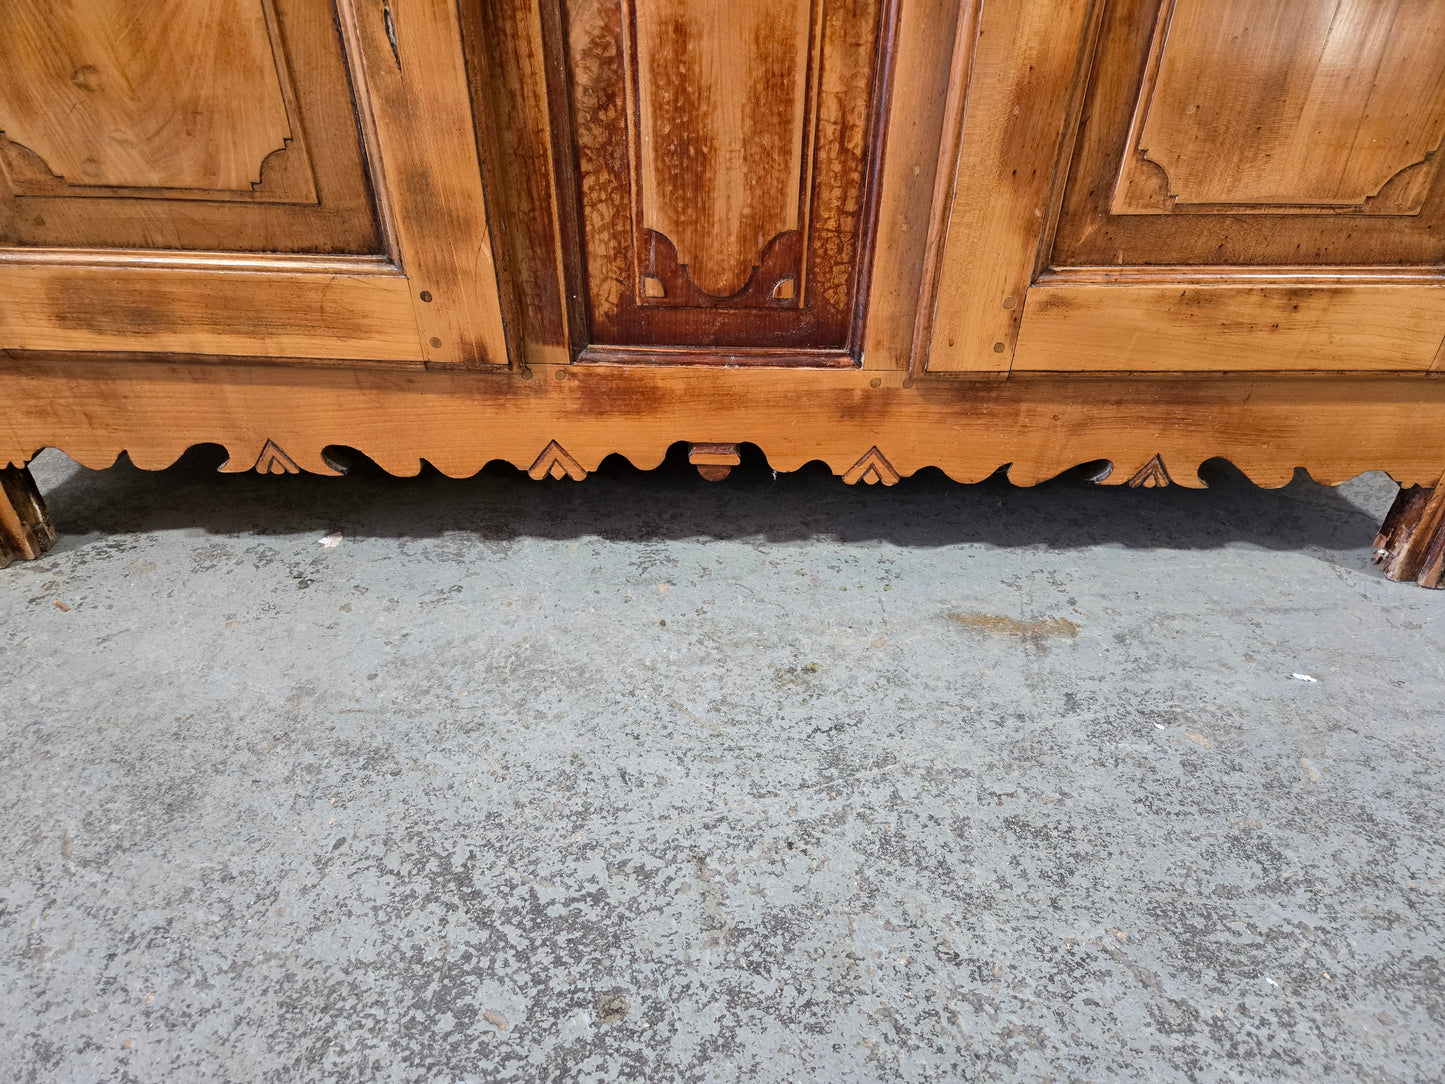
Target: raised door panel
(196, 119)
(1238, 185)
(187, 177)
(721, 148)
(180, 124)
(1260, 132)
(1257, 106)
(726, 156)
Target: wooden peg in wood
(714, 461)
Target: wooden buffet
(884, 234)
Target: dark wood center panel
(726, 158)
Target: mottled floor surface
(647, 779)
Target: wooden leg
(1411, 544)
(25, 528)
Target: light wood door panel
(1257, 105)
(1214, 185)
(98, 105)
(1260, 132)
(180, 124)
(726, 156)
(201, 113)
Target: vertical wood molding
(533, 208)
(1016, 65)
(910, 176)
(409, 62)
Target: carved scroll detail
(766, 286)
(554, 462)
(873, 469)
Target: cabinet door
(245, 178)
(1241, 185)
(726, 155)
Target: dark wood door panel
(219, 125)
(726, 156)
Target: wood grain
(1295, 105)
(1242, 234)
(418, 110)
(534, 204)
(180, 124)
(1013, 69)
(293, 309)
(757, 357)
(723, 126)
(918, 96)
(1411, 543)
(100, 104)
(1142, 327)
(528, 92)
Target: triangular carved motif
(1152, 475)
(273, 460)
(554, 462)
(872, 470)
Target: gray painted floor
(650, 779)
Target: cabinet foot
(1411, 543)
(714, 461)
(25, 528)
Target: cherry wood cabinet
(886, 234)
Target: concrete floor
(650, 779)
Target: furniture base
(870, 427)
